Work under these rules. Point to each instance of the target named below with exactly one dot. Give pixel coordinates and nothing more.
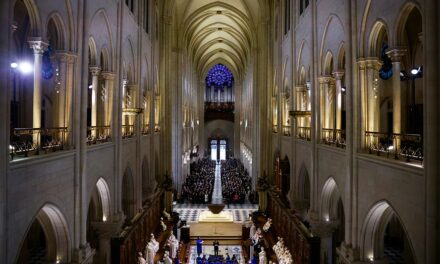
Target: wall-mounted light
(24, 67)
(417, 71)
(104, 218)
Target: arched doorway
(47, 239)
(98, 213)
(148, 184)
(128, 196)
(332, 214)
(303, 189)
(285, 177)
(384, 237)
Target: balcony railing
(334, 137)
(98, 134)
(397, 146)
(303, 133)
(35, 141)
(286, 131)
(128, 131)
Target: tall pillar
(338, 106)
(95, 71)
(363, 101)
(321, 96)
(63, 118)
(325, 231)
(109, 78)
(396, 56)
(330, 103)
(372, 81)
(39, 47)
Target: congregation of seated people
(236, 182)
(199, 185)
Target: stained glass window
(219, 76)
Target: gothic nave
(284, 131)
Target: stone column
(330, 103)
(325, 231)
(338, 106)
(106, 230)
(324, 109)
(372, 81)
(363, 101)
(95, 71)
(67, 61)
(109, 78)
(39, 47)
(396, 56)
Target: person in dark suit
(215, 244)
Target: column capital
(373, 63)
(396, 54)
(325, 79)
(324, 229)
(107, 229)
(301, 88)
(95, 70)
(106, 75)
(38, 45)
(338, 74)
(64, 56)
(131, 86)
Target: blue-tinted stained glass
(219, 76)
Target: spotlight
(25, 67)
(416, 71)
(403, 76)
(90, 86)
(14, 65)
(343, 89)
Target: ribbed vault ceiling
(218, 32)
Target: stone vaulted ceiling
(218, 32)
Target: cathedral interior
(219, 131)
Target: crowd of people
(199, 185)
(236, 181)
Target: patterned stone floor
(209, 249)
(191, 212)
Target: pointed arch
(402, 20)
(56, 232)
(341, 57)
(104, 59)
(330, 196)
(93, 57)
(328, 64)
(56, 32)
(373, 231)
(304, 184)
(378, 34)
(105, 198)
(128, 194)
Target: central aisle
(217, 197)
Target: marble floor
(209, 250)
